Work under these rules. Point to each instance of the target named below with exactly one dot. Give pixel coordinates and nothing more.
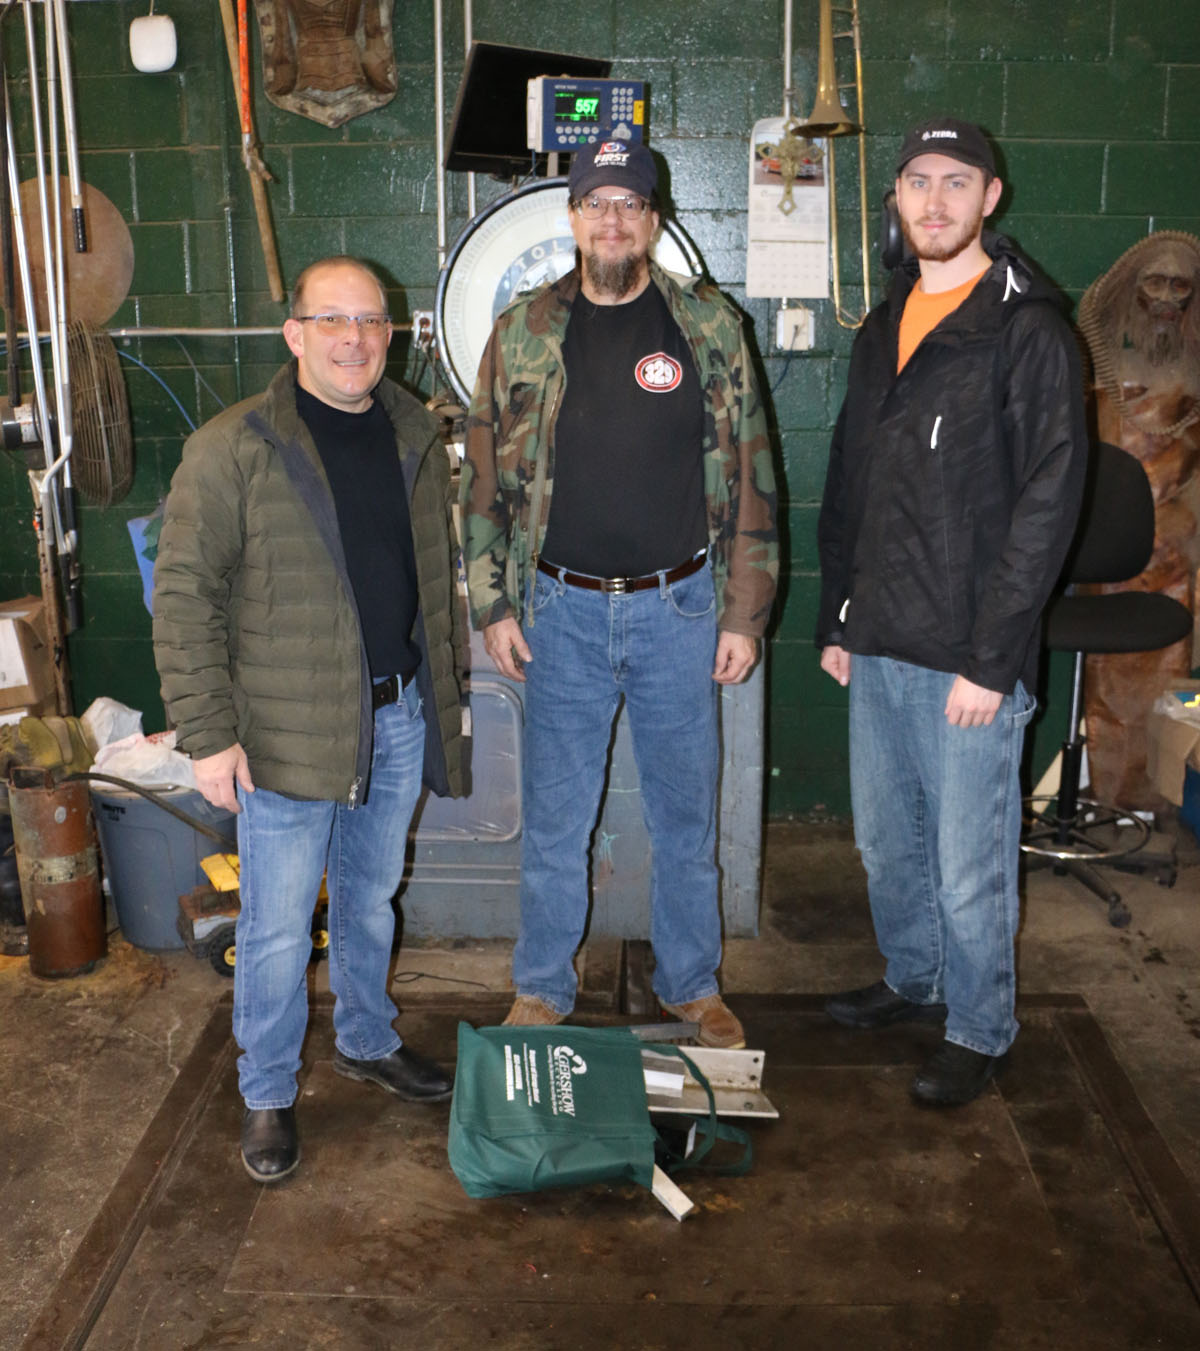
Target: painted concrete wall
(1095, 103)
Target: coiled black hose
(150, 795)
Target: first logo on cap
(612, 152)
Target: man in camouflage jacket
(649, 574)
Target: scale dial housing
(518, 243)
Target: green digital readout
(570, 106)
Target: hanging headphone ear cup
(892, 246)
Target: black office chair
(1114, 543)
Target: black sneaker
(953, 1075)
(879, 1005)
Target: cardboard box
(26, 658)
(1172, 744)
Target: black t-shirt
(358, 451)
(628, 493)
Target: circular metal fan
(102, 445)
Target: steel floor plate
(1047, 1213)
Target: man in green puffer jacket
(308, 637)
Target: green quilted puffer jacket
(256, 632)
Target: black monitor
(487, 133)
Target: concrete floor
(87, 1064)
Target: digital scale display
(513, 246)
(565, 114)
(572, 107)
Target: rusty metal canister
(60, 878)
(14, 937)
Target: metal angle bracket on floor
(734, 1076)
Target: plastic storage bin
(151, 858)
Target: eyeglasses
(596, 208)
(337, 324)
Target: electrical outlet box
(793, 328)
(422, 327)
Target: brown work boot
(718, 1026)
(530, 1011)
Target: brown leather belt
(620, 585)
(385, 692)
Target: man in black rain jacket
(953, 487)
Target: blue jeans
(657, 648)
(937, 819)
(284, 846)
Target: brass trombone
(829, 118)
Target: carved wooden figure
(1142, 324)
(329, 60)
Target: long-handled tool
(66, 531)
(55, 487)
(237, 44)
(69, 130)
(7, 275)
(47, 425)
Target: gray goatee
(616, 278)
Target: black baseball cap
(618, 164)
(963, 141)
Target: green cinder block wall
(1095, 104)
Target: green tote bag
(539, 1107)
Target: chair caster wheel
(1118, 914)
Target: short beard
(616, 278)
(941, 251)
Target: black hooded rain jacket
(954, 486)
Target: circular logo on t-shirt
(659, 374)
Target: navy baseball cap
(618, 164)
(963, 141)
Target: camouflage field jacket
(511, 425)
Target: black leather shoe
(879, 1005)
(405, 1073)
(270, 1145)
(953, 1075)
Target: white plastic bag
(149, 760)
(107, 720)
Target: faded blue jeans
(284, 845)
(656, 648)
(937, 819)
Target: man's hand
(736, 655)
(216, 775)
(504, 642)
(835, 661)
(971, 705)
